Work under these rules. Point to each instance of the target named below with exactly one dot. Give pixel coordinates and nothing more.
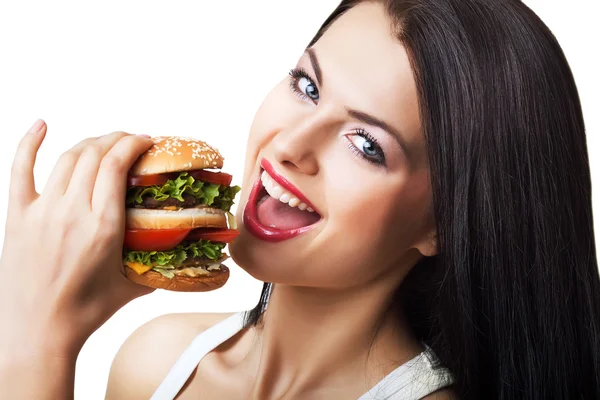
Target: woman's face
(344, 130)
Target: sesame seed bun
(176, 154)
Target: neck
(314, 337)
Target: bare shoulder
(444, 394)
(148, 354)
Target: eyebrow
(359, 115)
(371, 120)
(315, 64)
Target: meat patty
(201, 262)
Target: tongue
(275, 214)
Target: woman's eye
(303, 85)
(366, 146)
(308, 88)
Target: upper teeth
(281, 194)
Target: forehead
(368, 68)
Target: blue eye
(365, 145)
(303, 85)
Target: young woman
(451, 253)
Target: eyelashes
(298, 74)
(361, 142)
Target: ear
(427, 246)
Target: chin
(258, 259)
(275, 263)
(263, 262)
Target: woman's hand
(61, 262)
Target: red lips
(284, 183)
(250, 216)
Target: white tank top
(411, 381)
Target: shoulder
(148, 354)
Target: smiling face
(343, 129)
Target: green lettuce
(172, 258)
(210, 194)
(224, 200)
(164, 272)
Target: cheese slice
(138, 268)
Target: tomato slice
(147, 180)
(219, 178)
(217, 235)
(154, 239)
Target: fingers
(22, 183)
(63, 170)
(84, 175)
(130, 290)
(111, 182)
(122, 290)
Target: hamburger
(177, 217)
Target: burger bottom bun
(180, 283)
(187, 218)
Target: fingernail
(142, 135)
(36, 126)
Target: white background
(184, 67)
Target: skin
(327, 332)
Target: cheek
(378, 219)
(406, 215)
(358, 196)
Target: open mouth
(276, 210)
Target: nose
(299, 145)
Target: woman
(451, 254)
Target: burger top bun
(176, 154)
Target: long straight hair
(511, 302)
